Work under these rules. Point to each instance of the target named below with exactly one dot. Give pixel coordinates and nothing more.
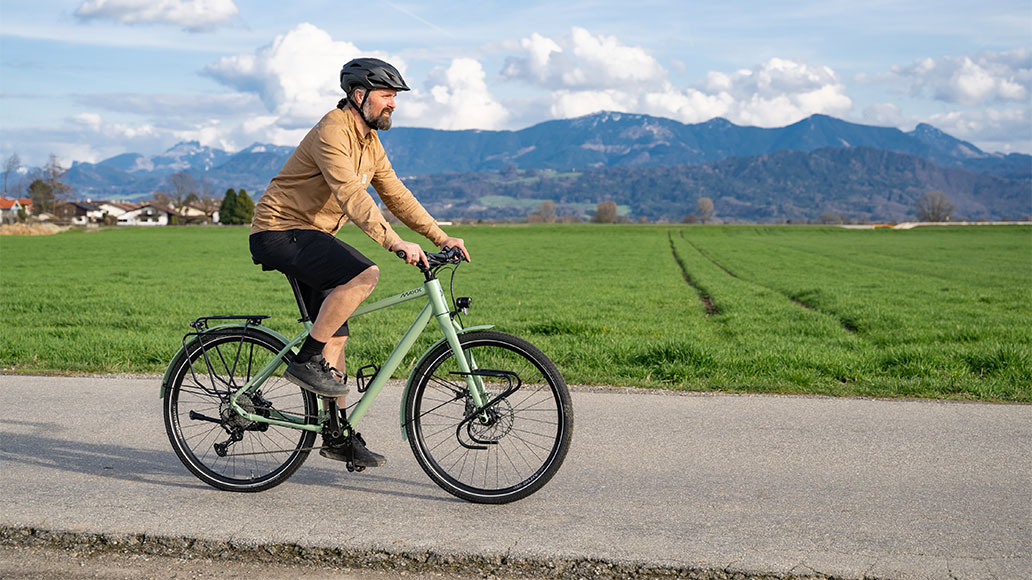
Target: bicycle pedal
(365, 375)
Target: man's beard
(380, 123)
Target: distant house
(115, 208)
(9, 208)
(147, 215)
(192, 214)
(79, 213)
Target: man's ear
(355, 94)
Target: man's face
(377, 108)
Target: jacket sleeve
(334, 158)
(400, 201)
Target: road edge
(342, 557)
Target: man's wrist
(390, 242)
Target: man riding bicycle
(323, 184)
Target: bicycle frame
(436, 308)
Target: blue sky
(90, 79)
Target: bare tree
(12, 164)
(183, 185)
(546, 212)
(206, 201)
(59, 190)
(605, 213)
(704, 209)
(162, 199)
(934, 207)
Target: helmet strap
(358, 108)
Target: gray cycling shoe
(358, 455)
(316, 375)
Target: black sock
(309, 348)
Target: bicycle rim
(198, 418)
(517, 447)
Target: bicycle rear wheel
(217, 444)
(513, 447)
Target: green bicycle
(487, 414)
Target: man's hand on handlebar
(410, 252)
(456, 243)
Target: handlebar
(447, 255)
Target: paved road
(703, 483)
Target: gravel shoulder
(36, 563)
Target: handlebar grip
(401, 254)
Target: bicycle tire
(529, 431)
(201, 382)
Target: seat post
(300, 300)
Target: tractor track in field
(708, 301)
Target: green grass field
(929, 312)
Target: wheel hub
(234, 420)
(495, 425)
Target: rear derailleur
(235, 424)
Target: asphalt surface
(686, 484)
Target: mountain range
(794, 158)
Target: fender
(419, 363)
(193, 339)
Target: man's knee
(370, 276)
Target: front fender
(419, 363)
(193, 338)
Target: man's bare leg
(338, 305)
(342, 302)
(334, 312)
(333, 352)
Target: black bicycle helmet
(370, 73)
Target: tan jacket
(325, 181)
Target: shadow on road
(41, 448)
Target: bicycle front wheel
(504, 452)
(220, 446)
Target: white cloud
(90, 137)
(297, 79)
(567, 104)
(87, 120)
(582, 61)
(192, 15)
(297, 76)
(987, 125)
(775, 93)
(458, 98)
(988, 77)
(87, 137)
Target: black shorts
(318, 261)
